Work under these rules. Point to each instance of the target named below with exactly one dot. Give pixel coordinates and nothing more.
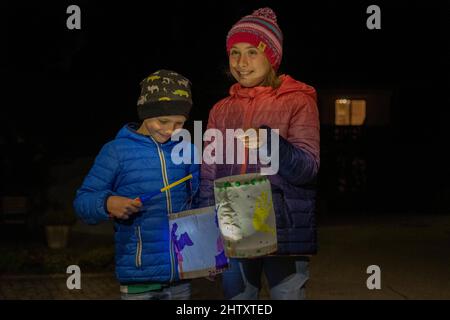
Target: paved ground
(412, 253)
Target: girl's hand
(254, 141)
(121, 207)
(211, 278)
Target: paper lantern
(197, 243)
(246, 215)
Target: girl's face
(248, 65)
(161, 128)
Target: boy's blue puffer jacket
(129, 166)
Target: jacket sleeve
(299, 152)
(90, 200)
(208, 172)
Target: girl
(261, 99)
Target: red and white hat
(261, 30)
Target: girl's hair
(271, 80)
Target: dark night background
(67, 92)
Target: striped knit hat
(261, 30)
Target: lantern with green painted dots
(246, 215)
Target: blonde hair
(272, 79)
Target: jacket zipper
(169, 204)
(138, 258)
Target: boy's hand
(121, 207)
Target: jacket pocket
(138, 256)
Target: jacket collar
(129, 131)
(288, 84)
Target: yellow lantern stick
(150, 195)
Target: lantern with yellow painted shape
(246, 215)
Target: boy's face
(248, 65)
(161, 128)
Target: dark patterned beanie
(164, 93)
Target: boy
(136, 162)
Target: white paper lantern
(246, 215)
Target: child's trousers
(180, 291)
(286, 276)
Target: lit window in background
(349, 112)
